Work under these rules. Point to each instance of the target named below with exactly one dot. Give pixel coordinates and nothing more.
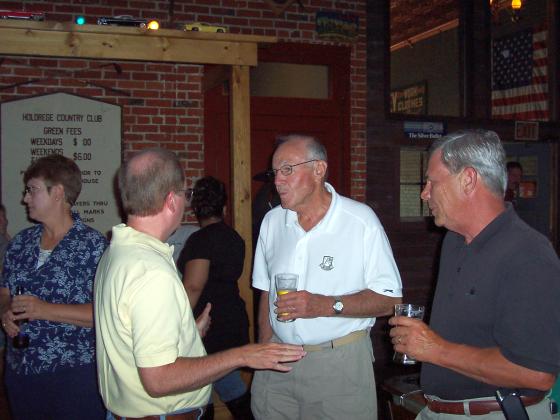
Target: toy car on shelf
(204, 27)
(20, 14)
(127, 20)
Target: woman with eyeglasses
(48, 276)
(211, 263)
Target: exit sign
(526, 130)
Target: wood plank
(127, 30)
(241, 175)
(123, 43)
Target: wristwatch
(338, 306)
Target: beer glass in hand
(285, 283)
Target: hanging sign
(410, 100)
(424, 130)
(336, 25)
(526, 130)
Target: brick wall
(163, 103)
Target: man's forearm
(367, 303)
(189, 373)
(363, 304)
(489, 366)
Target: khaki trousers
(329, 384)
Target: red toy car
(20, 14)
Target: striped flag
(519, 76)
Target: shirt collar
(124, 233)
(493, 227)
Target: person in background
(151, 360)
(211, 263)
(495, 319)
(179, 238)
(54, 262)
(265, 200)
(514, 176)
(347, 277)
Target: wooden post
(241, 175)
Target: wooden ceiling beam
(125, 43)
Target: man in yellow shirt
(151, 360)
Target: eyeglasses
(31, 190)
(287, 170)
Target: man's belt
(475, 408)
(339, 342)
(191, 415)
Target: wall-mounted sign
(424, 130)
(336, 25)
(526, 130)
(410, 100)
(85, 130)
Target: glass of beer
(285, 283)
(411, 311)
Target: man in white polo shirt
(347, 277)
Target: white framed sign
(85, 130)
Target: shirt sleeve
(261, 279)
(382, 274)
(197, 247)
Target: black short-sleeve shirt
(225, 249)
(501, 290)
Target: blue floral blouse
(66, 277)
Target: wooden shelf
(59, 39)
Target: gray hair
(315, 149)
(478, 149)
(147, 178)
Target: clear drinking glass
(285, 283)
(411, 311)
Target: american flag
(519, 76)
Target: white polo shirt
(346, 252)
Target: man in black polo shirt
(495, 321)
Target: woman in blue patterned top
(54, 262)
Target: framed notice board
(85, 130)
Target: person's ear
(320, 168)
(469, 180)
(171, 201)
(57, 191)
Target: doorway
(327, 118)
(535, 198)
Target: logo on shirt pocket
(327, 263)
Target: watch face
(338, 306)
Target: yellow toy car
(204, 27)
